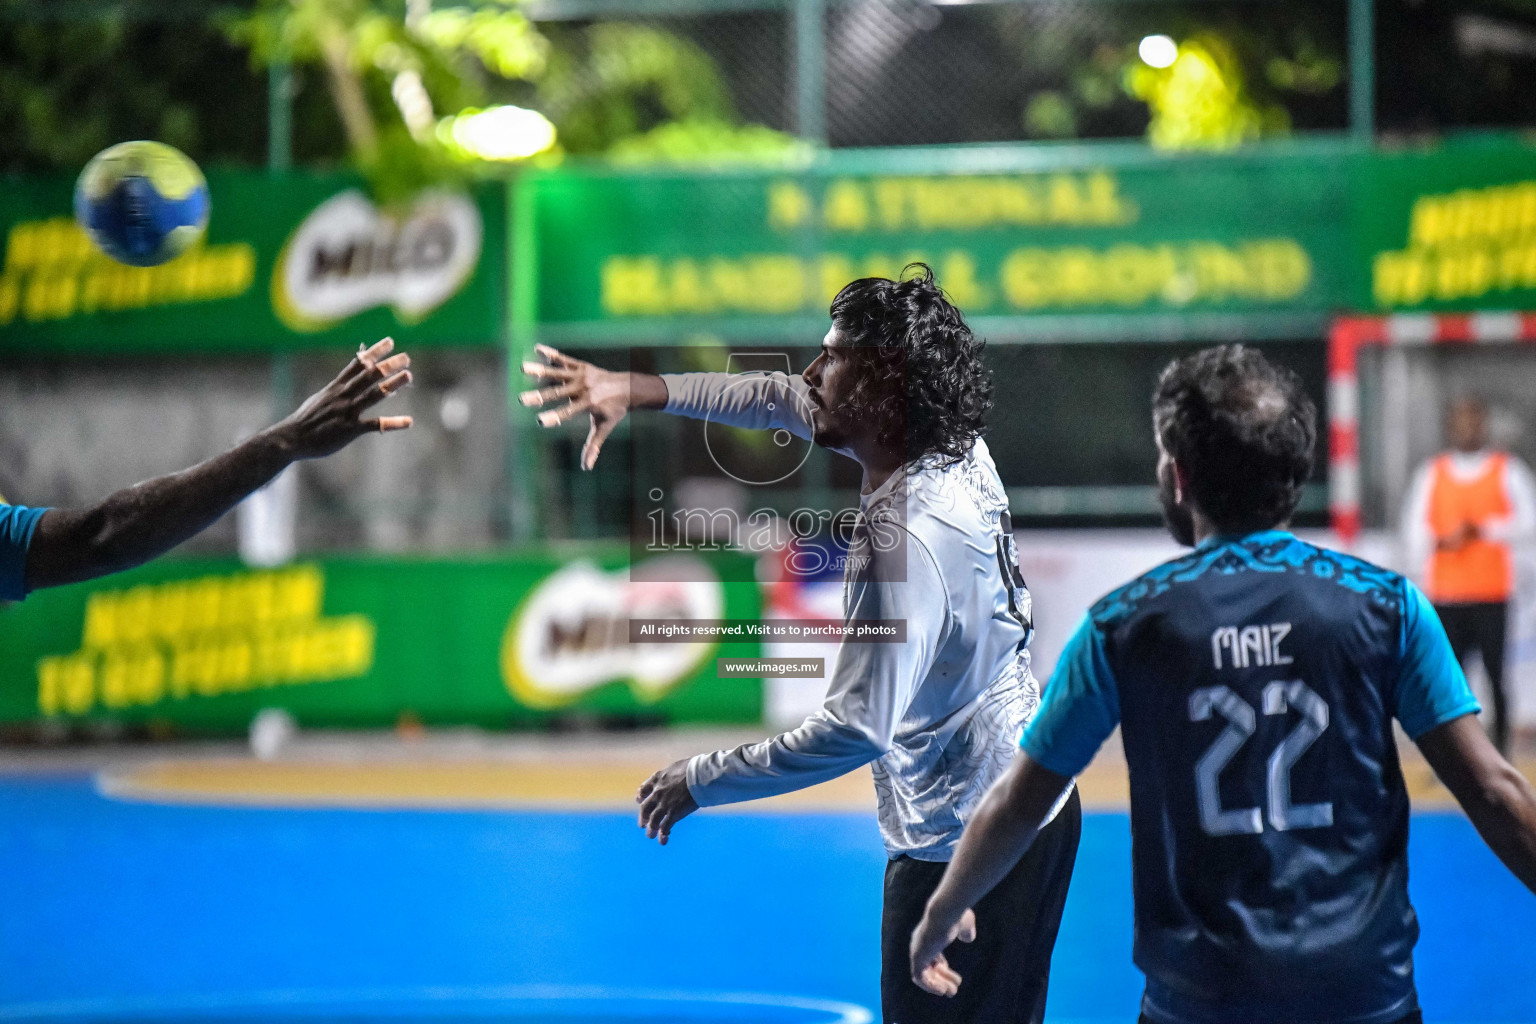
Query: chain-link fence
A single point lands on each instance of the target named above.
(913, 72)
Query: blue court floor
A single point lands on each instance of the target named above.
(114, 910)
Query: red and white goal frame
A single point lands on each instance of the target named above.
(1346, 338)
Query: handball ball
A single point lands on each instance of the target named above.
(142, 203)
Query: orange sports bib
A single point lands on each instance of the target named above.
(1482, 570)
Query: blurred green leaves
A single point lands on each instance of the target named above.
(634, 91)
(1201, 101)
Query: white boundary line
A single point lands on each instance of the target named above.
(299, 1004)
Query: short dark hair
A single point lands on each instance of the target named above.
(1243, 430)
(926, 385)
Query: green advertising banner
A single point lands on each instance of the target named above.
(1448, 229)
(1011, 234)
(202, 645)
(291, 262)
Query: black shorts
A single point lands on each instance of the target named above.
(1004, 972)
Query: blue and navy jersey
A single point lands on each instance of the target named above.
(1255, 681)
(16, 525)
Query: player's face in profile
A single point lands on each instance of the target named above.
(831, 378)
(1176, 514)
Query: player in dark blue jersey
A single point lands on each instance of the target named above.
(1255, 681)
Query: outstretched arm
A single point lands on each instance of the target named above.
(1006, 823)
(1498, 799)
(756, 401)
(140, 522)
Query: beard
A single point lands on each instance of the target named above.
(1176, 517)
(827, 431)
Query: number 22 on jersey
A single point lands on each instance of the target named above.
(1278, 698)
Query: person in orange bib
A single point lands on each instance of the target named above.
(1466, 510)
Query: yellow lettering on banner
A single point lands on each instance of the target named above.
(1282, 268)
(891, 202)
(1126, 275)
(688, 292)
(1462, 245)
(781, 282)
(1131, 275)
(729, 284)
(835, 271)
(1105, 203)
(49, 297)
(241, 261)
(1517, 268)
(66, 685)
(973, 202)
(19, 246)
(847, 208)
(788, 206)
(1023, 278)
(632, 286)
(52, 271)
(1065, 204)
(204, 637)
(1398, 279)
(132, 676)
(957, 274)
(10, 298)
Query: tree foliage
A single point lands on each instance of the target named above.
(645, 92)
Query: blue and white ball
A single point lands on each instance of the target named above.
(142, 203)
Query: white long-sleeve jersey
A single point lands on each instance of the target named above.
(939, 715)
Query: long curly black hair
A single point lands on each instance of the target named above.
(1244, 430)
(924, 384)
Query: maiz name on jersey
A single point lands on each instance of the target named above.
(1255, 681)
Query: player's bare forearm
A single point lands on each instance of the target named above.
(647, 391)
(138, 523)
(1506, 819)
(1500, 802)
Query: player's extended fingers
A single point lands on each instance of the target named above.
(646, 787)
(548, 371)
(545, 395)
(555, 417)
(664, 827)
(383, 389)
(377, 351)
(660, 813)
(650, 808)
(384, 424)
(394, 364)
(595, 438)
(557, 357)
(365, 360)
(376, 372)
(967, 931)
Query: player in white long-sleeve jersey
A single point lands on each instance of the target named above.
(900, 387)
